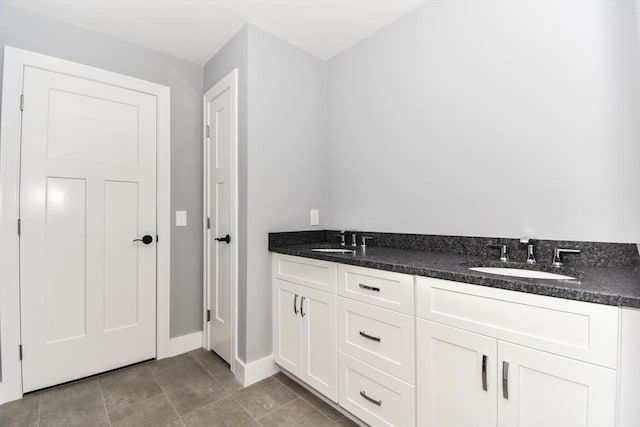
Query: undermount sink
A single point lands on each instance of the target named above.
(519, 272)
(333, 251)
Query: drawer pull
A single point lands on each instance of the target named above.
(505, 380)
(370, 337)
(295, 301)
(302, 306)
(369, 288)
(374, 401)
(484, 372)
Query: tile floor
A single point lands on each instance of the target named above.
(193, 389)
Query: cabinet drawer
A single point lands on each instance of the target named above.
(373, 396)
(382, 288)
(382, 338)
(580, 330)
(305, 271)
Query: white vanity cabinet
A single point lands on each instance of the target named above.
(401, 350)
(489, 369)
(304, 329)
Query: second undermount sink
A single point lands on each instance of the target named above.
(519, 272)
(333, 251)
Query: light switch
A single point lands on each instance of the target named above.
(315, 217)
(181, 218)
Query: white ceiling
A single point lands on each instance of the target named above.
(196, 29)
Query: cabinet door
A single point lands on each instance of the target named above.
(456, 377)
(319, 339)
(287, 326)
(541, 389)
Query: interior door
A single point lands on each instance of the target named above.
(88, 189)
(543, 389)
(456, 377)
(219, 241)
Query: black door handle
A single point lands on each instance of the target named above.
(225, 239)
(146, 239)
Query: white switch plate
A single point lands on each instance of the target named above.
(181, 218)
(315, 217)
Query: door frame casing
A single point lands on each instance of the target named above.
(229, 81)
(15, 61)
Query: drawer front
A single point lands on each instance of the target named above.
(575, 329)
(305, 271)
(382, 338)
(373, 396)
(381, 288)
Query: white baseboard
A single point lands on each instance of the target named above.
(184, 344)
(251, 373)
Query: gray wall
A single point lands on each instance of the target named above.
(235, 54)
(490, 119)
(286, 163)
(37, 33)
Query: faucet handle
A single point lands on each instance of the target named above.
(557, 255)
(504, 251)
(364, 240)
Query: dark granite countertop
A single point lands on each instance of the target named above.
(611, 285)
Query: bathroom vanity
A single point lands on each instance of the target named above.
(403, 337)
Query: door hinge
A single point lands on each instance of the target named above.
(208, 131)
(208, 222)
(20, 351)
(19, 226)
(21, 102)
(208, 315)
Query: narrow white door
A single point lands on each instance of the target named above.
(88, 184)
(541, 389)
(456, 377)
(318, 311)
(220, 211)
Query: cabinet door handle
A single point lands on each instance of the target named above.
(302, 306)
(374, 401)
(295, 303)
(369, 288)
(370, 337)
(484, 371)
(505, 379)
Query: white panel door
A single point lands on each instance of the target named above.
(456, 377)
(287, 326)
(88, 189)
(541, 389)
(318, 310)
(219, 242)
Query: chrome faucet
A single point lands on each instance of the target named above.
(504, 252)
(341, 235)
(364, 241)
(557, 255)
(531, 257)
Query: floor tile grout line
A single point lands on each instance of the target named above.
(309, 402)
(104, 402)
(39, 407)
(175, 411)
(215, 377)
(204, 367)
(314, 407)
(275, 409)
(207, 405)
(246, 410)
